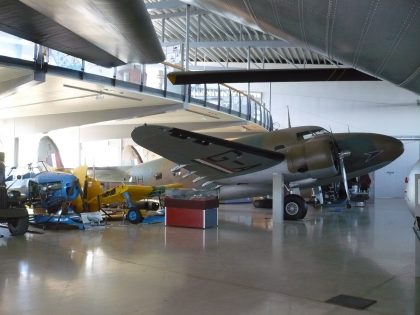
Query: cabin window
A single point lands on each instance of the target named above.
(308, 134)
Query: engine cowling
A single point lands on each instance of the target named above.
(314, 156)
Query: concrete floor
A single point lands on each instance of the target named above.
(244, 267)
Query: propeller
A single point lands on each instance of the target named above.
(341, 157)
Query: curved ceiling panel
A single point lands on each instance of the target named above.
(378, 37)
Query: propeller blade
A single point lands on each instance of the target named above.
(268, 75)
(341, 157)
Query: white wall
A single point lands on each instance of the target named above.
(359, 106)
(388, 181)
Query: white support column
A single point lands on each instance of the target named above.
(187, 38)
(278, 198)
(16, 151)
(79, 148)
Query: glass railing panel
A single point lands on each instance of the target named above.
(236, 103)
(173, 90)
(198, 93)
(57, 58)
(212, 99)
(15, 47)
(265, 118)
(129, 73)
(98, 70)
(253, 109)
(155, 76)
(244, 106)
(225, 101)
(258, 117)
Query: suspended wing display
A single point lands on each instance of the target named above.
(269, 75)
(107, 33)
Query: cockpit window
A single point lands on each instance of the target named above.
(30, 171)
(308, 134)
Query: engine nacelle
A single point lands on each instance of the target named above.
(314, 157)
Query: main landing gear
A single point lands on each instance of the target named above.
(295, 207)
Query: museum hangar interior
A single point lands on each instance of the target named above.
(186, 100)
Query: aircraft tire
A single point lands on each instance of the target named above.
(134, 216)
(295, 207)
(263, 203)
(18, 226)
(153, 205)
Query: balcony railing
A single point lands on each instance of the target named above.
(144, 78)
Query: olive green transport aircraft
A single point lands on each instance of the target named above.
(307, 156)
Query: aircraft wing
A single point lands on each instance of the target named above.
(136, 192)
(107, 32)
(268, 75)
(204, 155)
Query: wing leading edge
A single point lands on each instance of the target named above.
(108, 33)
(204, 155)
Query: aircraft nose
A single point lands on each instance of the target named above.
(368, 150)
(391, 147)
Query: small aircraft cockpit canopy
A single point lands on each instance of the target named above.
(27, 172)
(308, 134)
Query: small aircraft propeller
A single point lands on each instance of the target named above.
(341, 157)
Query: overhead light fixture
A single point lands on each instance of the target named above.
(208, 114)
(103, 92)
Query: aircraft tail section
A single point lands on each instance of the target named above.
(130, 156)
(48, 152)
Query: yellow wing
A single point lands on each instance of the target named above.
(136, 192)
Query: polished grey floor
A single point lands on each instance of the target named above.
(245, 266)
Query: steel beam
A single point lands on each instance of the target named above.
(236, 44)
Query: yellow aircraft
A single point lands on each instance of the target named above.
(94, 197)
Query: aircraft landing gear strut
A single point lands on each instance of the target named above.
(134, 215)
(341, 157)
